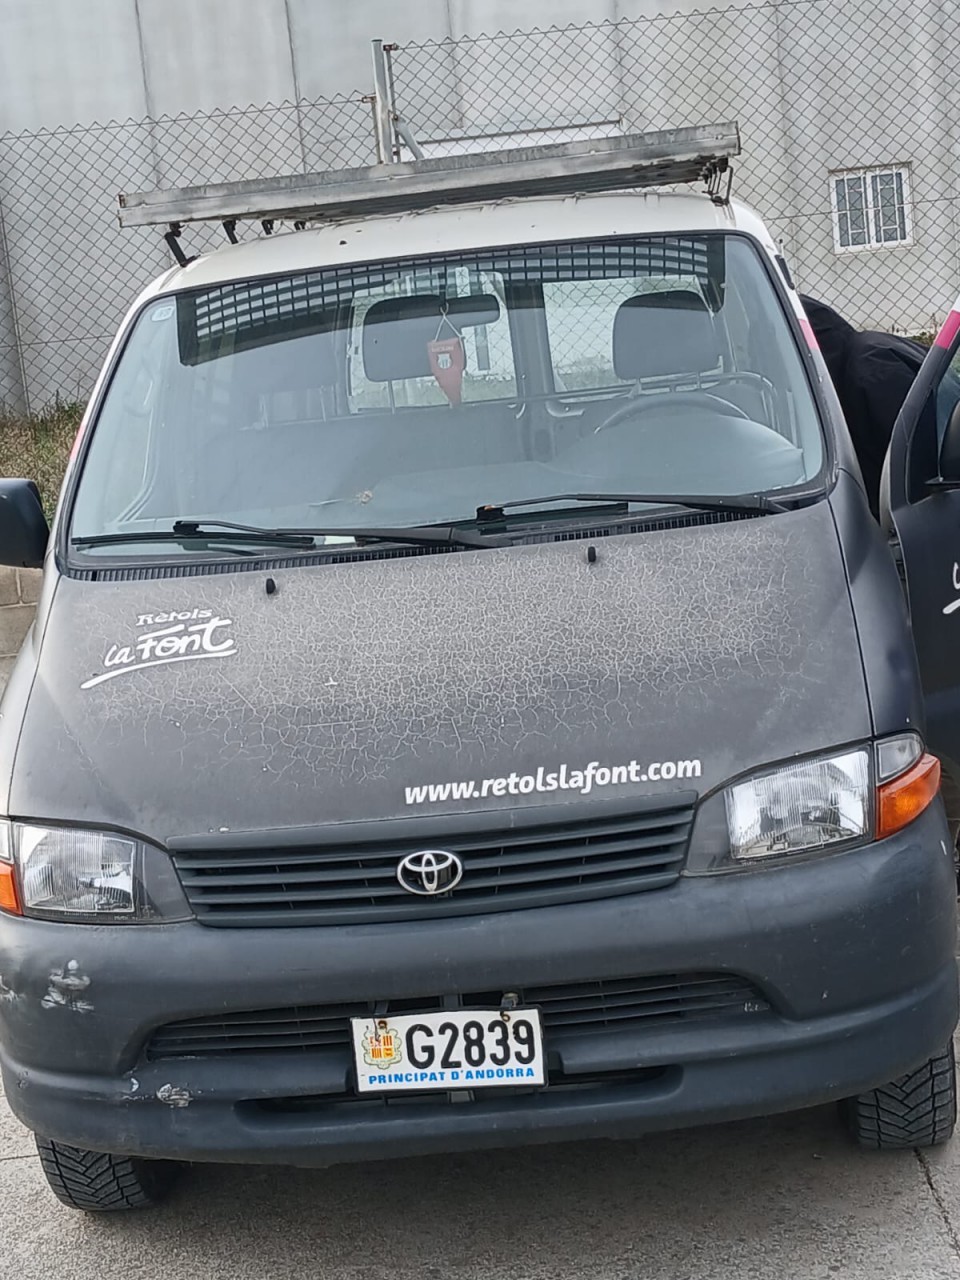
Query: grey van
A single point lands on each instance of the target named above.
(471, 704)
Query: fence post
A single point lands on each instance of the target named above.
(13, 383)
(382, 106)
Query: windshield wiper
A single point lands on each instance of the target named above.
(192, 533)
(696, 502)
(210, 531)
(429, 536)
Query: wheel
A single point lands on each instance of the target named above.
(918, 1110)
(101, 1183)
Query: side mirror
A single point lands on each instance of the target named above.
(24, 532)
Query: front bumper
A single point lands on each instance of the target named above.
(854, 952)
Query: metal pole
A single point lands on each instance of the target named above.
(406, 136)
(12, 366)
(382, 108)
(402, 131)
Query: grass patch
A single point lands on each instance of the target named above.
(37, 446)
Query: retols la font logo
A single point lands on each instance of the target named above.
(187, 635)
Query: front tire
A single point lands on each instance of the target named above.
(918, 1110)
(99, 1183)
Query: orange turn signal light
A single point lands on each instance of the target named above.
(9, 897)
(902, 799)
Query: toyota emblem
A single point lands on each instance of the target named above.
(430, 871)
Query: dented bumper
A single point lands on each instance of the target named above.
(854, 953)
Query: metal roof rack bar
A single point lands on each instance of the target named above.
(608, 164)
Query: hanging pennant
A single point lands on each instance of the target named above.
(448, 360)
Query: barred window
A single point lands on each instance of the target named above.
(871, 208)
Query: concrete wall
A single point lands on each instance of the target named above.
(816, 87)
(887, 93)
(64, 62)
(18, 597)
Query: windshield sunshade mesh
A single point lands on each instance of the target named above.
(252, 312)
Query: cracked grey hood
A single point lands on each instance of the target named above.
(185, 705)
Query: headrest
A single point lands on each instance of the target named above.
(396, 331)
(655, 334)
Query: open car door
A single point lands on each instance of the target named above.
(920, 509)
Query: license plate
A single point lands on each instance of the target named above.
(460, 1049)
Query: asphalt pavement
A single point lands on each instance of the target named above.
(784, 1199)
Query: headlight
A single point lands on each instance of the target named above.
(76, 872)
(67, 873)
(809, 805)
(824, 803)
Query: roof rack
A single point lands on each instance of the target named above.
(671, 156)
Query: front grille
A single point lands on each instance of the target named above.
(356, 883)
(611, 1003)
(573, 1008)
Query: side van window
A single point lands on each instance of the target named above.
(948, 395)
(924, 458)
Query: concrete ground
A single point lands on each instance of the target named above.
(786, 1199)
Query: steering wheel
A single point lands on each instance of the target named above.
(679, 399)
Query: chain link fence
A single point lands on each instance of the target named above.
(849, 112)
(68, 272)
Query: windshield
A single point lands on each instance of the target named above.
(413, 392)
